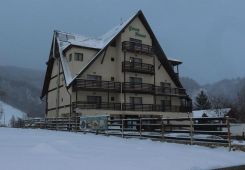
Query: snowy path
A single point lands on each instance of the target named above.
(26, 149)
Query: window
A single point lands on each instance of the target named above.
(78, 56)
(94, 99)
(94, 77)
(112, 78)
(112, 59)
(135, 60)
(135, 40)
(165, 87)
(70, 57)
(135, 80)
(112, 98)
(135, 100)
(114, 44)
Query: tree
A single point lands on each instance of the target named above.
(12, 121)
(1, 115)
(241, 104)
(202, 102)
(218, 103)
(1, 111)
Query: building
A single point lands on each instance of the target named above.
(212, 113)
(124, 72)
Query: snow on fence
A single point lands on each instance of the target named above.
(184, 130)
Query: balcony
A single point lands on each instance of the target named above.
(138, 87)
(95, 85)
(179, 92)
(137, 47)
(138, 107)
(137, 67)
(169, 91)
(129, 107)
(102, 105)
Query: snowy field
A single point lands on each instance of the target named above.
(26, 149)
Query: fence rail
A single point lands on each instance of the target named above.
(187, 130)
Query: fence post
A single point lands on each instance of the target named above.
(140, 127)
(229, 132)
(122, 128)
(162, 128)
(191, 130)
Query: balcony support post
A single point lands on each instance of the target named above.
(124, 77)
(154, 80)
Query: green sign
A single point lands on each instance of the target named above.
(133, 29)
(137, 32)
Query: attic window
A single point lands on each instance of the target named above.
(113, 43)
(78, 56)
(70, 57)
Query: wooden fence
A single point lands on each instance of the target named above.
(182, 130)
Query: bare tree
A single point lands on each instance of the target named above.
(12, 121)
(241, 104)
(218, 103)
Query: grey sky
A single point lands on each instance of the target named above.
(207, 35)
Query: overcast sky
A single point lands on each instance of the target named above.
(207, 35)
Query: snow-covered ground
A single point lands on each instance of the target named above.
(8, 112)
(26, 149)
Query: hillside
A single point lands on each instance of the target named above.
(8, 112)
(21, 88)
(228, 88)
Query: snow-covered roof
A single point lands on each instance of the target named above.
(211, 112)
(65, 39)
(100, 42)
(174, 61)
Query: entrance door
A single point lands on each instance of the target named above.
(165, 105)
(95, 81)
(136, 103)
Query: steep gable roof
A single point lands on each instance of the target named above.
(157, 48)
(65, 40)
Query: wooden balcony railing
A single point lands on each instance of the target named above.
(170, 91)
(178, 91)
(137, 67)
(138, 87)
(139, 107)
(127, 87)
(102, 105)
(82, 84)
(129, 107)
(137, 47)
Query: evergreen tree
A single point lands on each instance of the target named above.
(202, 102)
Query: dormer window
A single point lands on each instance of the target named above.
(78, 56)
